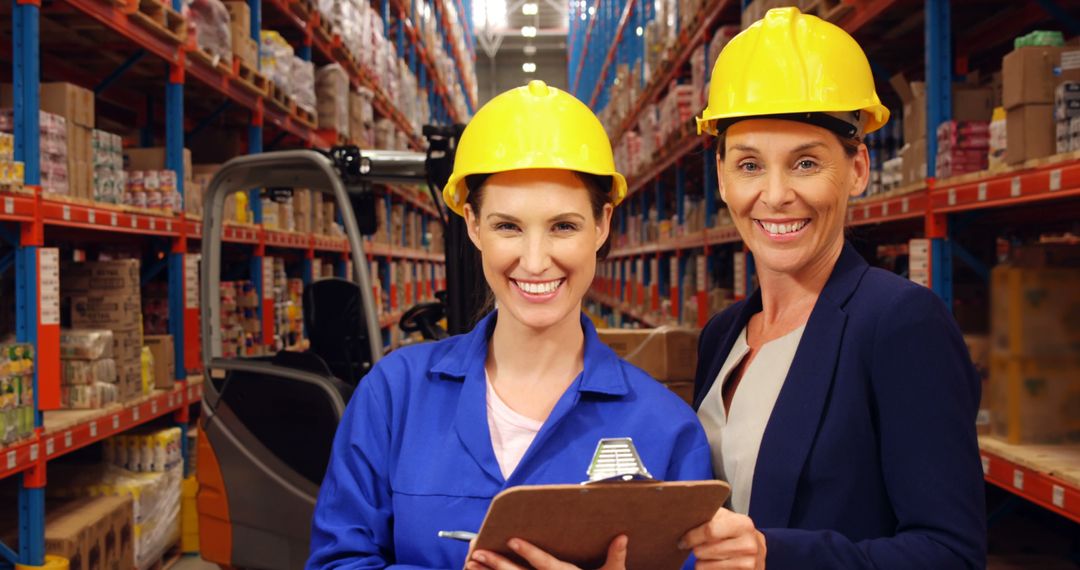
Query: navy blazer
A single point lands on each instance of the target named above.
(870, 457)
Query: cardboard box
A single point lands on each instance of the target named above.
(92, 533)
(979, 348)
(914, 166)
(93, 310)
(153, 159)
(239, 20)
(164, 360)
(972, 103)
(1030, 132)
(115, 277)
(1028, 76)
(246, 50)
(1034, 400)
(1033, 311)
(668, 354)
(73, 103)
(969, 103)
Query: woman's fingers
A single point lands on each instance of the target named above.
(487, 560)
(616, 554)
(724, 524)
(537, 558)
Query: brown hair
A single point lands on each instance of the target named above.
(599, 188)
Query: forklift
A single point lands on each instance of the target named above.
(268, 422)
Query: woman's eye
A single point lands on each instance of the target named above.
(806, 164)
(565, 227)
(505, 227)
(749, 166)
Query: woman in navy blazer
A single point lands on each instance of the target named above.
(851, 442)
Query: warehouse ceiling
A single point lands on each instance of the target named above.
(503, 50)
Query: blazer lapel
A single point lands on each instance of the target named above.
(800, 406)
(720, 354)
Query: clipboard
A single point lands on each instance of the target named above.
(576, 523)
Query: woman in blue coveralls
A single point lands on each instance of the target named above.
(839, 399)
(436, 430)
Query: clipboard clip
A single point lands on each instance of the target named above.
(616, 460)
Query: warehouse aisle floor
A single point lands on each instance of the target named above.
(194, 563)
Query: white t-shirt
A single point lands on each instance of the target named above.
(735, 437)
(511, 432)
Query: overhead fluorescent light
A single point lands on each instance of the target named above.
(488, 14)
(530, 9)
(528, 67)
(640, 31)
(529, 50)
(528, 31)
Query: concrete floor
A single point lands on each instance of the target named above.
(194, 563)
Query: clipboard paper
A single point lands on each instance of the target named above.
(576, 523)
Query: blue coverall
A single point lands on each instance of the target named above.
(413, 453)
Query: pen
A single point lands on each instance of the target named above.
(462, 535)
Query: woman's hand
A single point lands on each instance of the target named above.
(728, 542)
(540, 560)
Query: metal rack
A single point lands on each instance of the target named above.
(167, 53)
(598, 38)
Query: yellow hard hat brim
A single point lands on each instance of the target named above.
(455, 193)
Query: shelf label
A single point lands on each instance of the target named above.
(93, 431)
(982, 191)
(952, 196)
(67, 436)
(134, 222)
(866, 212)
(153, 408)
(1055, 180)
(168, 225)
(172, 401)
(11, 460)
(985, 465)
(135, 414)
(116, 421)
(50, 446)
(1015, 193)
(1018, 479)
(91, 217)
(112, 219)
(153, 224)
(884, 208)
(65, 213)
(191, 281)
(9, 205)
(1058, 496)
(49, 282)
(190, 394)
(34, 452)
(904, 205)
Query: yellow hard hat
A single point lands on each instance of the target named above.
(795, 66)
(535, 126)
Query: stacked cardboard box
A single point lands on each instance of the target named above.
(88, 377)
(12, 172)
(149, 176)
(1031, 75)
(146, 450)
(76, 106)
(53, 143)
(163, 349)
(1067, 116)
(89, 533)
(332, 93)
(241, 327)
(999, 140)
(244, 47)
(963, 147)
(105, 295)
(668, 354)
(362, 118)
(1034, 364)
(676, 108)
(16, 392)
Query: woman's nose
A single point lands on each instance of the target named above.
(536, 254)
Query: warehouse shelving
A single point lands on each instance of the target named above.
(112, 48)
(936, 209)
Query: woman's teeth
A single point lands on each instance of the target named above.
(780, 229)
(539, 288)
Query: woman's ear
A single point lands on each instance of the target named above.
(472, 225)
(861, 164)
(603, 225)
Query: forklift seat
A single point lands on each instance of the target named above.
(334, 320)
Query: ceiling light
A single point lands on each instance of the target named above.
(528, 31)
(530, 9)
(530, 50)
(640, 31)
(528, 67)
(584, 16)
(489, 14)
(592, 10)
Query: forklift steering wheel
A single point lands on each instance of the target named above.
(423, 318)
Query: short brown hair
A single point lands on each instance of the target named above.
(599, 188)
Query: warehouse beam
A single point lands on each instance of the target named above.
(938, 74)
(1061, 16)
(119, 71)
(207, 121)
